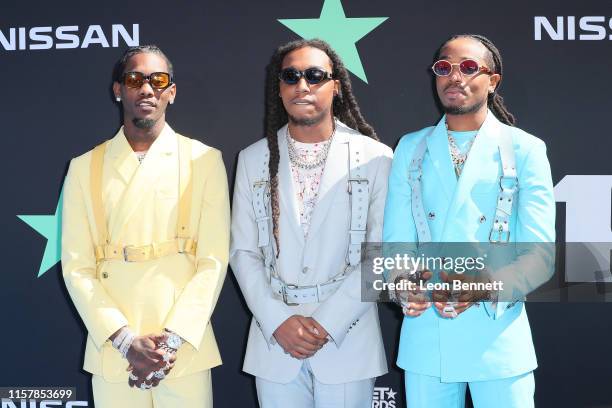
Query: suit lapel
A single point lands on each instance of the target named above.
(122, 157)
(437, 147)
(287, 197)
(334, 178)
(163, 153)
(484, 148)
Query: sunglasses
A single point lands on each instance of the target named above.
(157, 80)
(467, 67)
(313, 76)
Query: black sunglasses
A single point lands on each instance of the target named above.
(313, 75)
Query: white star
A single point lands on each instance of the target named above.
(391, 394)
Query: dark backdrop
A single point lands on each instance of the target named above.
(56, 104)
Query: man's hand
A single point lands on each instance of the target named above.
(152, 381)
(149, 378)
(462, 299)
(315, 327)
(144, 357)
(414, 302)
(298, 337)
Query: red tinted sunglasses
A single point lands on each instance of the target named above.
(467, 67)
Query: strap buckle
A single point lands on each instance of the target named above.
(419, 174)
(126, 255)
(513, 180)
(358, 180)
(500, 233)
(260, 183)
(284, 293)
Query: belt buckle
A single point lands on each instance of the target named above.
(358, 180)
(512, 180)
(500, 234)
(284, 293)
(125, 254)
(260, 183)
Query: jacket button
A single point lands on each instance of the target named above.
(305, 270)
(104, 275)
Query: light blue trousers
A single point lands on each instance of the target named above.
(423, 391)
(305, 391)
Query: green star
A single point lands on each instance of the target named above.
(50, 227)
(339, 31)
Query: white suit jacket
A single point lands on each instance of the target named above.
(355, 350)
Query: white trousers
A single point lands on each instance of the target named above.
(423, 391)
(305, 391)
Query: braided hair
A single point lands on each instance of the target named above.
(494, 60)
(344, 107)
(121, 63)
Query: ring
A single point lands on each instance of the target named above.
(144, 386)
(150, 376)
(159, 374)
(166, 356)
(133, 377)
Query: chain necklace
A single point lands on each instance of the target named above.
(457, 157)
(298, 161)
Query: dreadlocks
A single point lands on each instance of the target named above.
(494, 60)
(344, 107)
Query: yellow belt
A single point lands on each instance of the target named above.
(132, 253)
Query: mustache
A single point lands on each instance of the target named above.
(455, 86)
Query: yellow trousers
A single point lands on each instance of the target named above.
(192, 391)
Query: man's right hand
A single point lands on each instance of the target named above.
(144, 357)
(295, 337)
(414, 302)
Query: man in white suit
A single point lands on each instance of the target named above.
(475, 178)
(305, 199)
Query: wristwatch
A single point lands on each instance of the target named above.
(174, 341)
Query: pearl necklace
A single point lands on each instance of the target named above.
(299, 161)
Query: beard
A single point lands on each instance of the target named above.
(144, 123)
(315, 120)
(463, 110)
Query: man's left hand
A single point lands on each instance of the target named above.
(462, 299)
(149, 379)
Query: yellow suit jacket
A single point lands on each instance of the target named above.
(177, 291)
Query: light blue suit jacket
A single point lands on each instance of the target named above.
(487, 341)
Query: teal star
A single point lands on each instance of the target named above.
(339, 31)
(50, 227)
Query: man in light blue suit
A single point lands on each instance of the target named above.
(474, 177)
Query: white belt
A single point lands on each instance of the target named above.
(294, 295)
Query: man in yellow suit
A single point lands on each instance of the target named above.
(145, 239)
